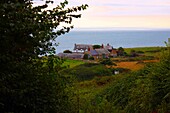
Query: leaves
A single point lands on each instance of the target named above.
(28, 84)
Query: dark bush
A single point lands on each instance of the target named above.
(33, 88)
(107, 62)
(96, 46)
(86, 56)
(88, 71)
(67, 51)
(140, 52)
(91, 58)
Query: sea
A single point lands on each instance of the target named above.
(116, 38)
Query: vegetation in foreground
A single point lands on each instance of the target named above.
(143, 91)
(28, 85)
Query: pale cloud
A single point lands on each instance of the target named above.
(125, 21)
(122, 13)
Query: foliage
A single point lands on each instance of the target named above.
(72, 63)
(67, 51)
(133, 53)
(107, 62)
(91, 58)
(143, 91)
(34, 88)
(86, 56)
(88, 71)
(28, 85)
(96, 46)
(121, 51)
(120, 70)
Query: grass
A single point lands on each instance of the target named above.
(72, 63)
(148, 51)
(86, 91)
(87, 71)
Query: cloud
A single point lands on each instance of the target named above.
(122, 13)
(125, 21)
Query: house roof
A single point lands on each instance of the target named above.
(108, 47)
(75, 55)
(102, 51)
(63, 54)
(114, 51)
(82, 46)
(71, 55)
(93, 53)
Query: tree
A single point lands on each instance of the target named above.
(26, 32)
(107, 62)
(133, 53)
(120, 51)
(96, 46)
(86, 56)
(67, 51)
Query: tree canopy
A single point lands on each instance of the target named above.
(29, 83)
(30, 30)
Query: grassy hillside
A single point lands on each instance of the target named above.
(148, 51)
(72, 63)
(143, 91)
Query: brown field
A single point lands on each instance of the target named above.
(135, 65)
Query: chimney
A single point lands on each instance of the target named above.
(102, 46)
(88, 48)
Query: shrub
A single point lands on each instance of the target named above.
(146, 90)
(67, 51)
(107, 62)
(91, 58)
(88, 71)
(31, 88)
(86, 56)
(96, 46)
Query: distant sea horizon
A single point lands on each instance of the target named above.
(126, 38)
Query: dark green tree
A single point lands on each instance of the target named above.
(67, 51)
(120, 51)
(133, 53)
(96, 46)
(27, 84)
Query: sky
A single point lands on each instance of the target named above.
(121, 13)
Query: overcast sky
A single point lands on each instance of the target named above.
(122, 13)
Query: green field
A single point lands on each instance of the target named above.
(148, 51)
(72, 63)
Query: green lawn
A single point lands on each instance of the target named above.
(72, 63)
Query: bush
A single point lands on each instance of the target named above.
(67, 51)
(96, 46)
(33, 88)
(107, 62)
(91, 58)
(146, 90)
(86, 56)
(88, 71)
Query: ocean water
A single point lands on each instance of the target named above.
(116, 38)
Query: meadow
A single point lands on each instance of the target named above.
(148, 51)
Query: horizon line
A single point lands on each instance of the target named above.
(116, 28)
